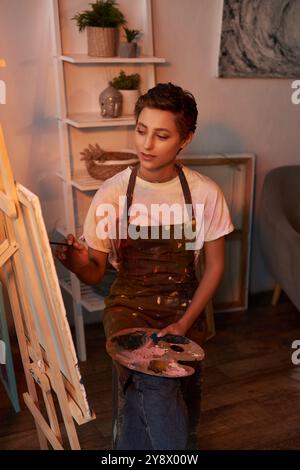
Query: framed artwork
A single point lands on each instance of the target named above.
(234, 173)
(7, 373)
(260, 38)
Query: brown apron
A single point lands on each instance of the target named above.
(157, 279)
(154, 286)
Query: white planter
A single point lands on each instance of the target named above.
(130, 97)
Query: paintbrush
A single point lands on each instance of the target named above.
(58, 243)
(80, 239)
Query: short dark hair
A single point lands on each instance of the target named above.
(169, 97)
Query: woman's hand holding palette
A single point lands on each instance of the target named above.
(142, 350)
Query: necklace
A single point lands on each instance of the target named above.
(162, 181)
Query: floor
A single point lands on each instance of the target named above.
(251, 395)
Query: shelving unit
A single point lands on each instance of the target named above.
(79, 81)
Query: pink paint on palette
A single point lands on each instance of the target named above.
(140, 349)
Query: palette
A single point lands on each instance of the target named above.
(140, 349)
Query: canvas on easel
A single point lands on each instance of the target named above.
(44, 336)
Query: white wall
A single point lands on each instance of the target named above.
(235, 115)
(28, 117)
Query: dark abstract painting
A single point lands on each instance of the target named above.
(260, 38)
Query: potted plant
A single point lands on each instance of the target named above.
(101, 23)
(129, 48)
(128, 85)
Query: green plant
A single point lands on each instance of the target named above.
(131, 34)
(126, 82)
(104, 14)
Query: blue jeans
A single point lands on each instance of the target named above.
(153, 412)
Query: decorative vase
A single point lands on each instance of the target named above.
(128, 49)
(102, 42)
(110, 101)
(130, 98)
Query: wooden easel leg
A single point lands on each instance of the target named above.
(71, 429)
(15, 308)
(41, 437)
(52, 415)
(276, 294)
(39, 418)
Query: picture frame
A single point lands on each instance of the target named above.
(234, 173)
(260, 39)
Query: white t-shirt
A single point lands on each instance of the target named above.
(210, 209)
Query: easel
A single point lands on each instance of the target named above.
(46, 347)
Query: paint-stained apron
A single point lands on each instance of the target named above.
(156, 282)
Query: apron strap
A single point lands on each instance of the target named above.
(185, 188)
(183, 181)
(130, 189)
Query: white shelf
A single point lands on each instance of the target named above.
(89, 298)
(83, 182)
(87, 120)
(86, 183)
(85, 59)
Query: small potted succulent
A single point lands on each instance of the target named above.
(101, 23)
(129, 48)
(128, 85)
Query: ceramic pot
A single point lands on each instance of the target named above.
(110, 101)
(128, 49)
(130, 98)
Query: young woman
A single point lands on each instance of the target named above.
(156, 284)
